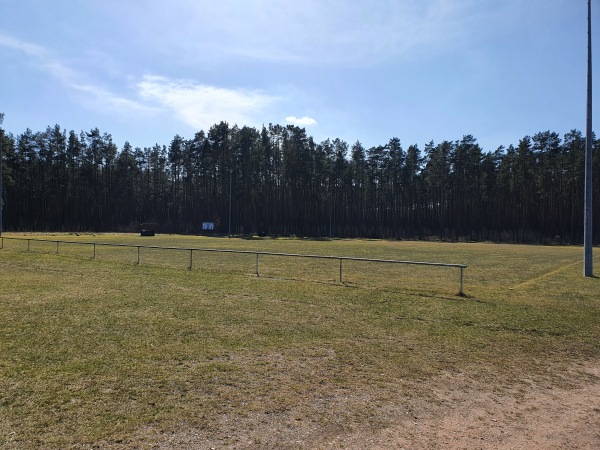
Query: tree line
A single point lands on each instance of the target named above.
(278, 181)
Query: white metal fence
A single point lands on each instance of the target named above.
(187, 255)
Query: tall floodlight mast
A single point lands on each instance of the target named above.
(1, 185)
(587, 221)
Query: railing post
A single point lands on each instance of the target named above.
(94, 257)
(340, 270)
(2, 242)
(138, 255)
(257, 266)
(460, 292)
(28, 244)
(190, 267)
(57, 247)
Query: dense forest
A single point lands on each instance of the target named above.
(279, 181)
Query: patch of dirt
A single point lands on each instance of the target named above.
(532, 415)
(457, 412)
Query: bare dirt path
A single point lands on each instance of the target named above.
(533, 415)
(558, 412)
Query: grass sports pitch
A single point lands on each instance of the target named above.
(104, 352)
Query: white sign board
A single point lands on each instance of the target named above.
(208, 226)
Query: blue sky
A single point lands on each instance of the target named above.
(419, 70)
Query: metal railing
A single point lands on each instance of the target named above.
(191, 251)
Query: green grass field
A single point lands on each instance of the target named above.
(104, 352)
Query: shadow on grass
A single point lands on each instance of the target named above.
(276, 237)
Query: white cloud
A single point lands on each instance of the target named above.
(104, 99)
(202, 106)
(94, 96)
(301, 121)
(25, 47)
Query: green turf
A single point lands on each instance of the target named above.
(102, 350)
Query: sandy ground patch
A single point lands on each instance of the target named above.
(531, 415)
(558, 413)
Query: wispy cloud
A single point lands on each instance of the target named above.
(197, 105)
(25, 47)
(301, 121)
(326, 32)
(107, 100)
(94, 95)
(201, 106)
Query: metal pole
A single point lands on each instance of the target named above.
(330, 211)
(94, 257)
(460, 289)
(230, 178)
(191, 251)
(257, 266)
(340, 270)
(138, 255)
(588, 270)
(1, 185)
(229, 232)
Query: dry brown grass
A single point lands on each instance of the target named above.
(111, 354)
